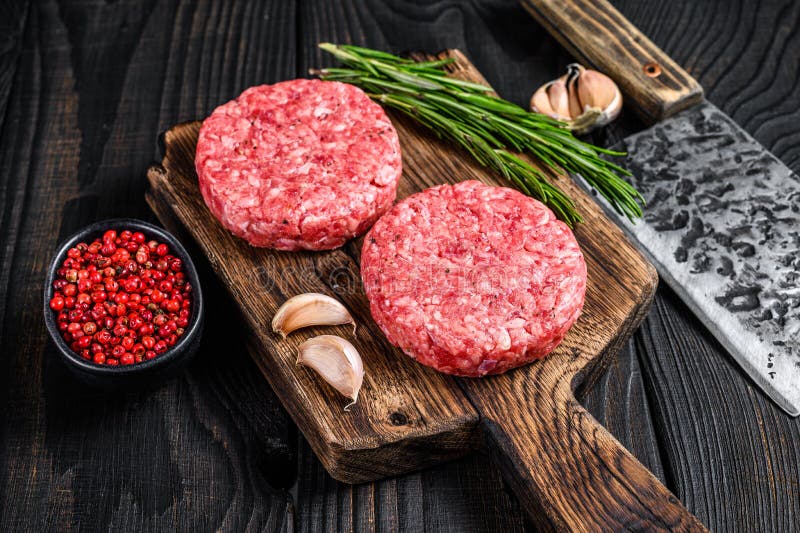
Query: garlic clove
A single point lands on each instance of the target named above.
(598, 91)
(559, 100)
(540, 102)
(336, 361)
(310, 309)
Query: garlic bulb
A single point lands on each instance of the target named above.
(585, 99)
(310, 309)
(337, 361)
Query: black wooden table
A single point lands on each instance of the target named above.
(85, 87)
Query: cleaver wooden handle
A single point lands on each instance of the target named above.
(568, 471)
(601, 37)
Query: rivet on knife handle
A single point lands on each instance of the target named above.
(601, 37)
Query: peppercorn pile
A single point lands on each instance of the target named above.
(121, 300)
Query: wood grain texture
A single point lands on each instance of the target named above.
(462, 495)
(12, 22)
(76, 137)
(725, 450)
(599, 36)
(618, 401)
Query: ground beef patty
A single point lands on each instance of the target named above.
(302, 164)
(472, 279)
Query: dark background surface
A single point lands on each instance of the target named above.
(85, 87)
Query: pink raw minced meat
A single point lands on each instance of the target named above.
(473, 280)
(301, 164)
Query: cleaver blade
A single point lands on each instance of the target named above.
(722, 222)
(722, 226)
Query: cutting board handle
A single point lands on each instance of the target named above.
(570, 472)
(601, 37)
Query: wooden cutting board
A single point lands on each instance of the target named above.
(567, 470)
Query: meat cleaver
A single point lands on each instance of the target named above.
(722, 221)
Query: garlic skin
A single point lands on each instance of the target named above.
(585, 99)
(336, 361)
(310, 309)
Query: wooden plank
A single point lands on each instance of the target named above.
(748, 462)
(532, 421)
(13, 16)
(462, 495)
(468, 494)
(191, 453)
(618, 401)
(516, 58)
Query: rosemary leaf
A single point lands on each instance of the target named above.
(487, 127)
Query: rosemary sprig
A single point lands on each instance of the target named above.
(489, 128)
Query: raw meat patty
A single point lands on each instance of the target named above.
(473, 280)
(302, 164)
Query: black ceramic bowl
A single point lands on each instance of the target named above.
(145, 373)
